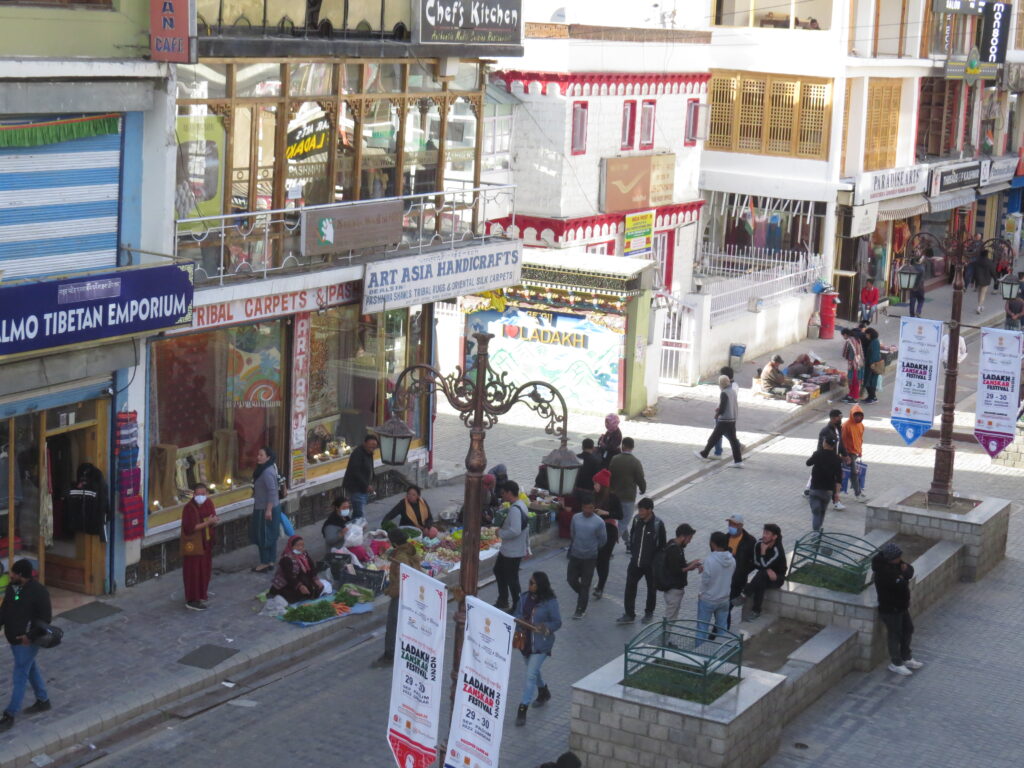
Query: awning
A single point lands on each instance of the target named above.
(956, 199)
(1017, 182)
(902, 207)
(991, 189)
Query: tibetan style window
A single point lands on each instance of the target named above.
(628, 125)
(647, 125)
(883, 123)
(579, 127)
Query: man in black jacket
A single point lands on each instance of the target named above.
(741, 544)
(26, 602)
(769, 566)
(834, 427)
(892, 585)
(646, 537)
(591, 465)
(826, 476)
(672, 578)
(358, 480)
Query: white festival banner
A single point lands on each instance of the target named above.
(482, 693)
(917, 375)
(417, 682)
(995, 415)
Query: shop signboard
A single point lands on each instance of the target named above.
(961, 7)
(638, 240)
(995, 30)
(971, 69)
(467, 22)
(954, 177)
(275, 305)
(895, 182)
(638, 182)
(440, 275)
(417, 682)
(172, 30)
(77, 310)
(917, 374)
(995, 415)
(309, 139)
(349, 227)
(998, 169)
(863, 219)
(481, 693)
(300, 396)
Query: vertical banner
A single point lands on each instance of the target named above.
(917, 375)
(416, 683)
(995, 414)
(300, 396)
(480, 699)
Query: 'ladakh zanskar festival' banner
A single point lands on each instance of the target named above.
(995, 417)
(481, 696)
(917, 374)
(416, 684)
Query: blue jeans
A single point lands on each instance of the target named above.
(916, 303)
(533, 678)
(25, 671)
(358, 502)
(628, 507)
(705, 611)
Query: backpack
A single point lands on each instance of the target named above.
(662, 579)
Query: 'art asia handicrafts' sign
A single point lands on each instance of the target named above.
(917, 374)
(995, 417)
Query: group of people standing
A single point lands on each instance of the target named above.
(862, 352)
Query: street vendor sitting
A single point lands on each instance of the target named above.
(411, 510)
(773, 380)
(334, 526)
(295, 579)
(802, 366)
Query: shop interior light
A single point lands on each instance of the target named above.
(395, 437)
(562, 466)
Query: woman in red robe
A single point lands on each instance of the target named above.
(295, 580)
(197, 527)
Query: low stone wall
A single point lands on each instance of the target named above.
(816, 666)
(982, 530)
(1013, 454)
(614, 726)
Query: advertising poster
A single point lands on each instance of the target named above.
(995, 416)
(917, 375)
(482, 692)
(639, 237)
(416, 683)
(578, 354)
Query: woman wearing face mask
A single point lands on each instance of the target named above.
(294, 579)
(334, 526)
(198, 519)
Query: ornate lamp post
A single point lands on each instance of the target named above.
(480, 396)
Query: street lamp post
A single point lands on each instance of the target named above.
(480, 396)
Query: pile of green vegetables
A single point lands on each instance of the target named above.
(310, 612)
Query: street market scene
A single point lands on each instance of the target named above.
(516, 383)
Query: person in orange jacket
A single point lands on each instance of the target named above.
(853, 443)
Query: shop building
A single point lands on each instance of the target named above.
(328, 193)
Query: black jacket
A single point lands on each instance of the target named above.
(892, 584)
(673, 576)
(744, 556)
(836, 432)
(774, 559)
(591, 466)
(984, 271)
(359, 473)
(645, 539)
(826, 470)
(22, 607)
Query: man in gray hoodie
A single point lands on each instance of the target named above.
(515, 544)
(725, 424)
(715, 581)
(588, 534)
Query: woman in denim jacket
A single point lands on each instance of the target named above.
(537, 612)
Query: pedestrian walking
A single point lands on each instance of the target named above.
(716, 574)
(769, 568)
(402, 551)
(590, 465)
(917, 287)
(984, 276)
(265, 523)
(587, 536)
(609, 509)
(826, 476)
(853, 444)
(198, 519)
(671, 576)
(609, 444)
(853, 354)
(515, 544)
(647, 536)
(892, 585)
(873, 365)
(627, 476)
(358, 480)
(833, 428)
(726, 414)
(26, 605)
(725, 370)
(537, 614)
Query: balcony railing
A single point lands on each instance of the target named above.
(262, 244)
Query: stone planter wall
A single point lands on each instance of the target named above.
(816, 666)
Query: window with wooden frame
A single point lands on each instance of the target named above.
(579, 127)
(1018, 35)
(647, 125)
(697, 120)
(883, 122)
(628, 125)
(767, 114)
(936, 116)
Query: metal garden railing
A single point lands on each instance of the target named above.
(837, 561)
(753, 290)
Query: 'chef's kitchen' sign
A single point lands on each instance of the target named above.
(461, 22)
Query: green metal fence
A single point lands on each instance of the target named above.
(838, 561)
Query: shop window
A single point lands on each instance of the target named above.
(422, 137)
(423, 78)
(498, 132)
(628, 133)
(306, 154)
(384, 77)
(697, 120)
(199, 183)
(380, 149)
(774, 14)
(647, 125)
(460, 149)
(215, 399)
(579, 127)
(311, 79)
(883, 123)
(948, 33)
(467, 78)
(258, 80)
(202, 81)
(936, 116)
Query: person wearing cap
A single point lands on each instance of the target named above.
(769, 569)
(609, 509)
(742, 544)
(892, 585)
(773, 380)
(672, 579)
(26, 604)
(826, 477)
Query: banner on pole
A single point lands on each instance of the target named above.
(480, 699)
(995, 414)
(416, 682)
(917, 375)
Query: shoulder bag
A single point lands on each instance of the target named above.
(192, 544)
(46, 635)
(878, 366)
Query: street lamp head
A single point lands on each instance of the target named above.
(562, 466)
(1009, 288)
(907, 276)
(395, 439)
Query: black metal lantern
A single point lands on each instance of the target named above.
(562, 466)
(1009, 288)
(395, 438)
(907, 276)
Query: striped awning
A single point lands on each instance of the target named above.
(902, 207)
(956, 199)
(991, 189)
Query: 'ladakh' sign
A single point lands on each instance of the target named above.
(458, 22)
(546, 336)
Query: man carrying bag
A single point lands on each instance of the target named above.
(25, 609)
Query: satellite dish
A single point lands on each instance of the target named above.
(558, 17)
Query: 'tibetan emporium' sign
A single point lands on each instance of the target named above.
(458, 22)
